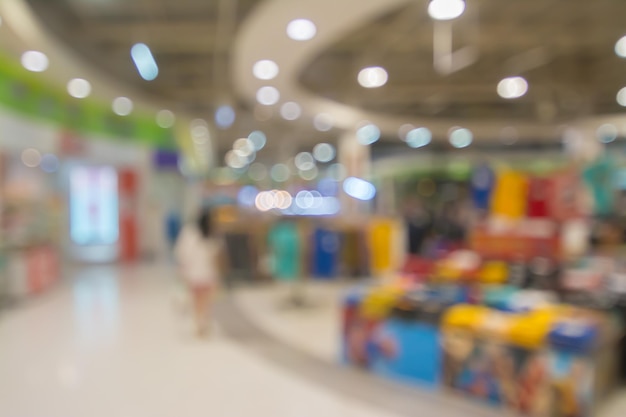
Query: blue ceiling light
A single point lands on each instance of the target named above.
(144, 61)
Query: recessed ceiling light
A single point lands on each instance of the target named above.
(49, 163)
(258, 139)
(419, 137)
(122, 106)
(304, 161)
(224, 117)
(301, 30)
(621, 97)
(373, 77)
(31, 157)
(144, 61)
(446, 9)
(359, 188)
(461, 137)
(244, 147)
(35, 61)
(324, 152)
(323, 122)
(290, 110)
(265, 69)
(368, 134)
(512, 87)
(79, 88)
(268, 95)
(620, 47)
(165, 119)
(607, 133)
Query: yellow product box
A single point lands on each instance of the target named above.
(531, 330)
(465, 316)
(493, 273)
(380, 301)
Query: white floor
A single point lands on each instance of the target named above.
(314, 329)
(112, 344)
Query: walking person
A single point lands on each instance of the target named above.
(200, 256)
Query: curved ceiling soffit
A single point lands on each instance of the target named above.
(262, 36)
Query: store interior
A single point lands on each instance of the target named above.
(413, 205)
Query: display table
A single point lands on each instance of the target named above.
(533, 356)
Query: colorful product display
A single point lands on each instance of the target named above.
(473, 333)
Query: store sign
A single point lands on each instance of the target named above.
(94, 214)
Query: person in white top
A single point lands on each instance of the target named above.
(200, 257)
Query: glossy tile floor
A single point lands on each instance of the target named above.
(114, 342)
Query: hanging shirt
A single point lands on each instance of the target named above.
(599, 177)
(482, 184)
(510, 195)
(284, 242)
(538, 191)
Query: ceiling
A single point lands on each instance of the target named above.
(564, 48)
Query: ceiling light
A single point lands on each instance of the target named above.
(461, 137)
(144, 61)
(122, 106)
(35, 61)
(607, 133)
(301, 30)
(258, 139)
(165, 119)
(224, 117)
(290, 111)
(620, 47)
(323, 122)
(304, 161)
(283, 200)
(324, 152)
(49, 163)
(446, 9)
(79, 88)
(309, 174)
(264, 201)
(265, 69)
(31, 157)
(373, 77)
(359, 189)
(234, 160)
(621, 97)
(419, 137)
(243, 147)
(268, 96)
(280, 173)
(304, 199)
(368, 134)
(512, 87)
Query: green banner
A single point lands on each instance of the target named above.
(28, 94)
